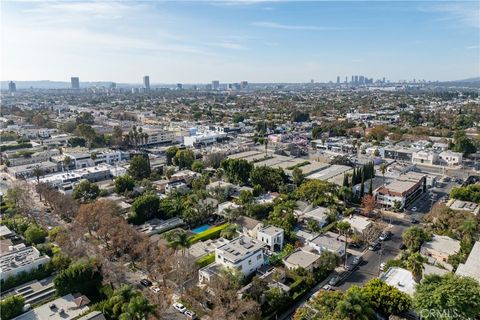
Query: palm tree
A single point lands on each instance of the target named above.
(355, 305)
(138, 308)
(120, 297)
(178, 240)
(415, 265)
(345, 229)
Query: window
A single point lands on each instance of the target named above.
(249, 262)
(259, 257)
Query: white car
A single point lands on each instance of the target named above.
(414, 209)
(180, 307)
(190, 314)
(382, 266)
(155, 289)
(327, 287)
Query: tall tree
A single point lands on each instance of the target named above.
(139, 167)
(345, 229)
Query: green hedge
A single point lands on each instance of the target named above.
(301, 164)
(206, 260)
(208, 234)
(21, 145)
(24, 277)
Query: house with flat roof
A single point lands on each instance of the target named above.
(21, 260)
(359, 224)
(471, 267)
(439, 248)
(318, 214)
(450, 158)
(302, 259)
(202, 248)
(401, 279)
(461, 205)
(272, 236)
(243, 253)
(328, 241)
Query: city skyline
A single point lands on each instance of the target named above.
(257, 41)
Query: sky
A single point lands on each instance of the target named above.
(231, 41)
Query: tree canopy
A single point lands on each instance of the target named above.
(447, 297)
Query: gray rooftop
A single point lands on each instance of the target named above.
(240, 247)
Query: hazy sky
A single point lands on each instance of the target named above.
(258, 41)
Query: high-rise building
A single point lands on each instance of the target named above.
(361, 80)
(12, 87)
(353, 79)
(179, 86)
(338, 79)
(113, 85)
(75, 83)
(356, 80)
(146, 83)
(346, 79)
(383, 80)
(215, 84)
(243, 84)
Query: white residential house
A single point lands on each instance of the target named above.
(401, 279)
(359, 224)
(450, 158)
(425, 157)
(272, 236)
(302, 259)
(319, 214)
(22, 260)
(328, 242)
(242, 253)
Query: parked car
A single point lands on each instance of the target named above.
(414, 221)
(414, 209)
(155, 289)
(385, 236)
(179, 307)
(402, 246)
(190, 314)
(354, 264)
(354, 245)
(374, 246)
(146, 282)
(327, 287)
(334, 280)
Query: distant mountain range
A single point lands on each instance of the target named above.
(475, 79)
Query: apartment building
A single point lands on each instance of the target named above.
(405, 189)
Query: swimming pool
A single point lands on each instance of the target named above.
(201, 228)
